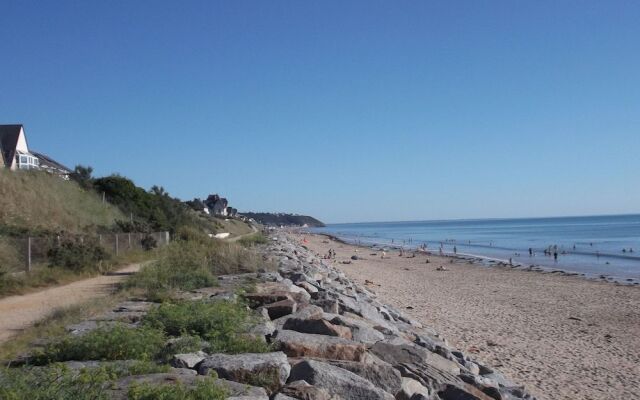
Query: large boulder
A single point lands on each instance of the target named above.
(337, 381)
(296, 344)
(317, 326)
(281, 308)
(268, 370)
(361, 329)
(413, 355)
(379, 373)
(411, 387)
(302, 390)
(188, 360)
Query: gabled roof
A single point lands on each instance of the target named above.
(9, 135)
(48, 162)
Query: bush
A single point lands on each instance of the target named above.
(107, 343)
(53, 383)
(58, 382)
(148, 243)
(77, 256)
(222, 324)
(206, 389)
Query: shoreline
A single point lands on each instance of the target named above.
(487, 261)
(584, 333)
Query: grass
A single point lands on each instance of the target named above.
(34, 201)
(253, 240)
(105, 344)
(191, 264)
(221, 324)
(206, 389)
(57, 381)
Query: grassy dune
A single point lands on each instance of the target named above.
(32, 201)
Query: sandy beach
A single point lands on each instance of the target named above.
(563, 337)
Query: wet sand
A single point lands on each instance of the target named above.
(563, 337)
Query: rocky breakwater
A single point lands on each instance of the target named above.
(343, 343)
(326, 338)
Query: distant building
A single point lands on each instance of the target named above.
(217, 205)
(16, 154)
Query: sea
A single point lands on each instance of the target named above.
(601, 247)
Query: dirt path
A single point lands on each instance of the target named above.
(235, 239)
(20, 312)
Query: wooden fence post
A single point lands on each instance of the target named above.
(29, 254)
(116, 245)
(129, 240)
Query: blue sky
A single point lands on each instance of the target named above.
(345, 110)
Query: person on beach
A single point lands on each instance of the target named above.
(384, 254)
(530, 252)
(455, 250)
(555, 256)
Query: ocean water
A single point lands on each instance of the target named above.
(586, 245)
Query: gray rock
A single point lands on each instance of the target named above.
(281, 308)
(411, 354)
(269, 370)
(337, 381)
(188, 360)
(296, 344)
(411, 387)
(361, 330)
(317, 326)
(302, 390)
(281, 396)
(381, 374)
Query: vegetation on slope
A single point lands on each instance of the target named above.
(277, 219)
(33, 202)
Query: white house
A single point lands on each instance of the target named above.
(15, 153)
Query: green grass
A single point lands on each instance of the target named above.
(222, 324)
(106, 344)
(191, 264)
(253, 240)
(206, 389)
(58, 382)
(34, 201)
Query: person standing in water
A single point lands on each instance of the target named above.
(455, 250)
(530, 252)
(555, 255)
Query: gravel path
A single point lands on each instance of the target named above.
(20, 312)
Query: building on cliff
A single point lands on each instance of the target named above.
(15, 153)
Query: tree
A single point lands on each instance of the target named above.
(82, 175)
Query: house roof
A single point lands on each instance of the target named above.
(9, 135)
(48, 162)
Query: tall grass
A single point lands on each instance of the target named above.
(34, 201)
(193, 262)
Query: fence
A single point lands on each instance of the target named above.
(25, 253)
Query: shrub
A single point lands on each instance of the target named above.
(56, 382)
(107, 343)
(222, 324)
(77, 256)
(206, 389)
(148, 243)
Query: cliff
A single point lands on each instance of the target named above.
(279, 219)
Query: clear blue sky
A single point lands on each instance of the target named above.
(345, 110)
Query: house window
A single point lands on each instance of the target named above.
(27, 161)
